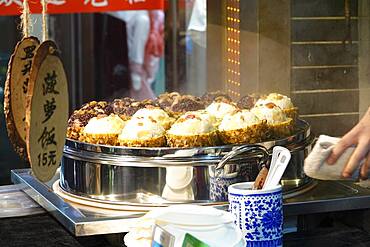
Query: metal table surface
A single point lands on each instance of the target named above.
(330, 196)
(326, 196)
(78, 221)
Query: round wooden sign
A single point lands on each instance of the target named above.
(47, 111)
(15, 92)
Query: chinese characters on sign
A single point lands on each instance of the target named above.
(49, 108)
(56, 2)
(14, 7)
(136, 1)
(97, 3)
(47, 138)
(47, 111)
(47, 159)
(101, 3)
(19, 2)
(26, 68)
(50, 82)
(10, 2)
(16, 92)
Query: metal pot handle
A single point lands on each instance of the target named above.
(242, 149)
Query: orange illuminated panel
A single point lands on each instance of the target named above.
(232, 47)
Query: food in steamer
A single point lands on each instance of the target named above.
(142, 132)
(186, 103)
(123, 107)
(193, 129)
(166, 100)
(79, 118)
(157, 114)
(127, 107)
(177, 120)
(248, 101)
(220, 109)
(103, 130)
(217, 96)
(282, 101)
(278, 124)
(242, 127)
(176, 105)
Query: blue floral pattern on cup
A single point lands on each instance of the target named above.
(259, 216)
(218, 187)
(219, 183)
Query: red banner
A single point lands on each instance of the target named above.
(14, 7)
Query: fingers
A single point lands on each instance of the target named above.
(337, 151)
(359, 153)
(364, 173)
(346, 141)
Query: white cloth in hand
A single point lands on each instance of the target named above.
(315, 165)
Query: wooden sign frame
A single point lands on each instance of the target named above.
(47, 111)
(15, 93)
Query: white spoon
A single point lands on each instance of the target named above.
(275, 154)
(277, 169)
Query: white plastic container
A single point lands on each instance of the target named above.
(213, 227)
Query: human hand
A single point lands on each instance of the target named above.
(359, 136)
(155, 42)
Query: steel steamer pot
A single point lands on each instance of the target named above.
(164, 176)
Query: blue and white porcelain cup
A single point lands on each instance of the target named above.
(258, 213)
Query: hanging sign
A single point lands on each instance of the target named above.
(14, 7)
(47, 111)
(15, 92)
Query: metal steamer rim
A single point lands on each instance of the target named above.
(121, 205)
